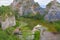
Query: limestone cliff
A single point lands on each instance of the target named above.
(7, 17)
(10, 21)
(53, 11)
(25, 7)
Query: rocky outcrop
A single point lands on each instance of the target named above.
(45, 34)
(8, 22)
(54, 12)
(50, 36)
(25, 7)
(35, 8)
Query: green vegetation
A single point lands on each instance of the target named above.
(5, 36)
(37, 35)
(31, 22)
(5, 11)
(26, 24)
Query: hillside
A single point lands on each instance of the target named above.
(17, 22)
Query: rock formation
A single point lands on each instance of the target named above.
(25, 7)
(7, 17)
(8, 22)
(50, 36)
(53, 11)
(45, 34)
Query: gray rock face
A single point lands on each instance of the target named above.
(36, 8)
(50, 36)
(25, 6)
(0, 20)
(45, 34)
(54, 12)
(10, 21)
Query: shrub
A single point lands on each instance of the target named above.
(37, 35)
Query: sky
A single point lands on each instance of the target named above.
(42, 3)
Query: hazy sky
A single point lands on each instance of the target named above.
(42, 3)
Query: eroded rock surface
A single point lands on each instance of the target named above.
(8, 22)
(50, 36)
(25, 7)
(53, 12)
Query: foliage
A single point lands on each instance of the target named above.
(36, 16)
(49, 4)
(26, 24)
(5, 36)
(36, 4)
(57, 25)
(5, 11)
(37, 35)
(38, 19)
